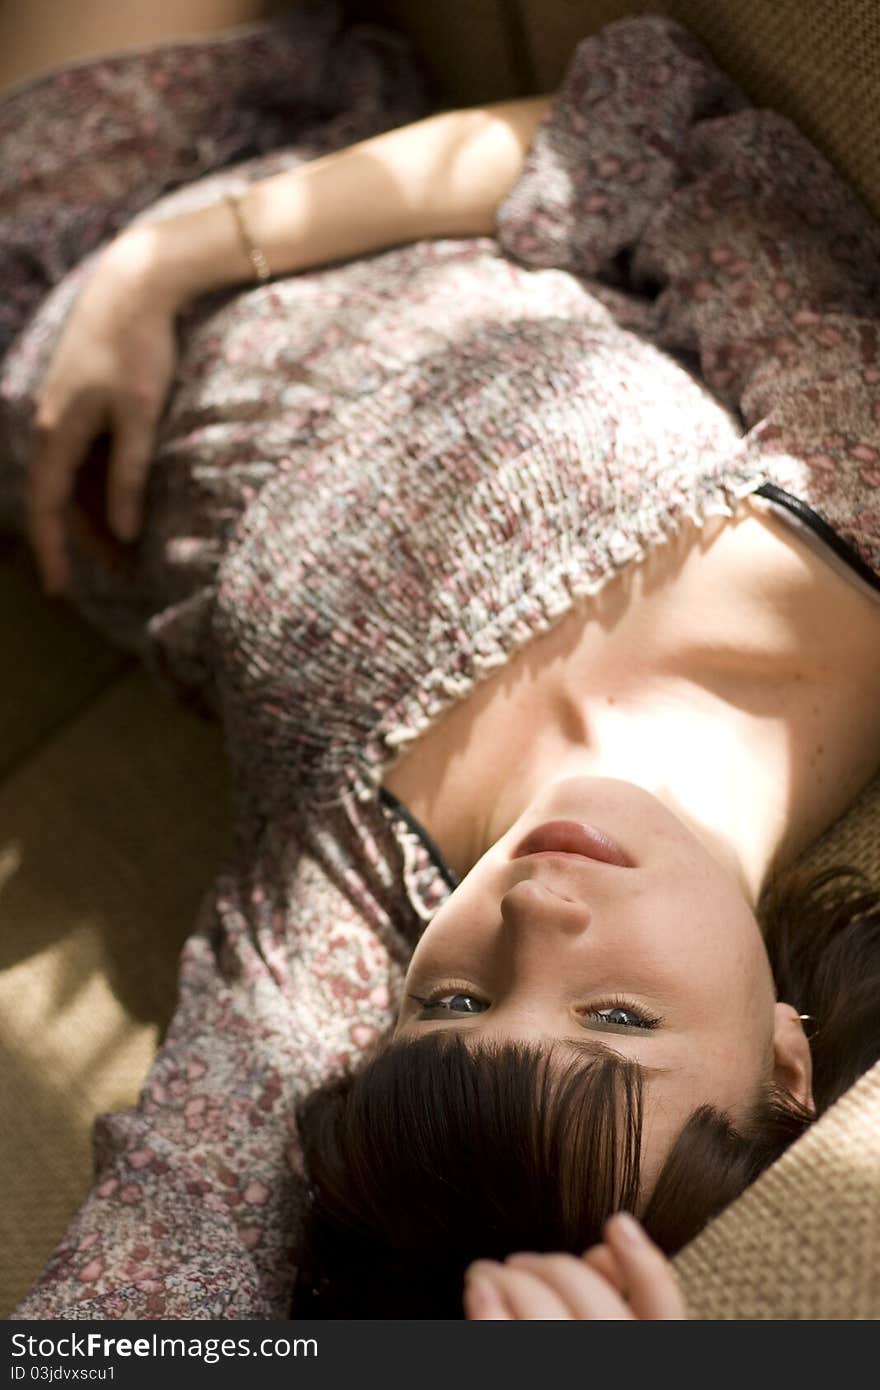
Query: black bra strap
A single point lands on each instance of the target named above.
(450, 877)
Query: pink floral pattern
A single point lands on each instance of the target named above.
(373, 483)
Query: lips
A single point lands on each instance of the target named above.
(573, 837)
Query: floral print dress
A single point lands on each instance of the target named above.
(373, 483)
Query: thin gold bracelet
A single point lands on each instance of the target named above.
(248, 245)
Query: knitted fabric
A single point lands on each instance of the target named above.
(375, 482)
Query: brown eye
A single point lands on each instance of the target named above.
(621, 1015)
(451, 1003)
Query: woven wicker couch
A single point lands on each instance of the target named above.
(112, 799)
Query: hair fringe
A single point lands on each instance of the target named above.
(435, 1152)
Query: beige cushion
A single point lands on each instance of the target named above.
(54, 663)
(112, 804)
(111, 828)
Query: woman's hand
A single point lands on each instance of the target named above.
(109, 376)
(625, 1277)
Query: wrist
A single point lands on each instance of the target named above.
(142, 271)
(180, 258)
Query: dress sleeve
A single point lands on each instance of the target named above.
(651, 172)
(194, 1211)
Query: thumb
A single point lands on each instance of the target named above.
(130, 458)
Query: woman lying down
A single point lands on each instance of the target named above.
(507, 484)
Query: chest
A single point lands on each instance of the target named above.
(781, 651)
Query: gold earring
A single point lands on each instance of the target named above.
(807, 1018)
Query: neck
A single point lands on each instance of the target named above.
(736, 679)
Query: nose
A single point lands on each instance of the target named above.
(535, 913)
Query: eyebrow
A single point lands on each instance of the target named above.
(590, 1047)
(585, 1047)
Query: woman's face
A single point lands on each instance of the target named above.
(658, 959)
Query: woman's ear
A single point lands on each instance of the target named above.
(793, 1062)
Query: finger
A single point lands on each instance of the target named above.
(582, 1290)
(50, 486)
(99, 545)
(483, 1302)
(651, 1284)
(603, 1259)
(133, 436)
(525, 1295)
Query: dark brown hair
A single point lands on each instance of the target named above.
(435, 1153)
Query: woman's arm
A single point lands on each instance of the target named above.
(442, 176)
(114, 363)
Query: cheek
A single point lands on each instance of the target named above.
(744, 1008)
(735, 1062)
(738, 1050)
(751, 977)
(715, 922)
(451, 934)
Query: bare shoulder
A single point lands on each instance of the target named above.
(750, 587)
